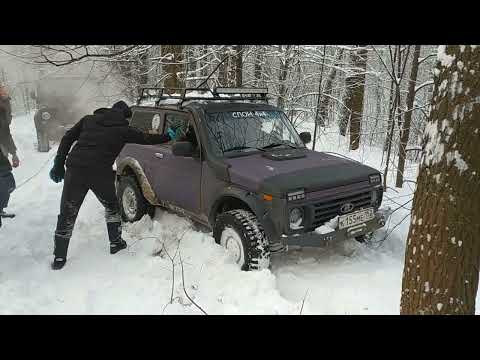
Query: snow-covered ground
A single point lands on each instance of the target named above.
(343, 278)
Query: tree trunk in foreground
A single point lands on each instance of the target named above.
(443, 246)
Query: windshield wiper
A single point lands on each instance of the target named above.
(241, 148)
(278, 144)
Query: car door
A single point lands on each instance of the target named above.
(147, 120)
(177, 179)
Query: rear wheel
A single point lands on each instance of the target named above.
(242, 235)
(133, 204)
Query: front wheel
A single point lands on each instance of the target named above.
(242, 235)
(133, 204)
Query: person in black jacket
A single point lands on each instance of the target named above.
(7, 147)
(100, 138)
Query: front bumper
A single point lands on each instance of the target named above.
(315, 239)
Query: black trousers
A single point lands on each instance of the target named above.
(77, 183)
(7, 185)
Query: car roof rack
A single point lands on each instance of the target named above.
(217, 94)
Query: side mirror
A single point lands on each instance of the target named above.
(306, 137)
(183, 148)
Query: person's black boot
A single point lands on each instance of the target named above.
(60, 251)
(4, 214)
(117, 246)
(115, 235)
(58, 263)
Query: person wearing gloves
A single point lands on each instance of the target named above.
(100, 138)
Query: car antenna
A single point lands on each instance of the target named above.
(213, 72)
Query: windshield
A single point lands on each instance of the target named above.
(246, 131)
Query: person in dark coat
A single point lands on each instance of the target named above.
(100, 138)
(7, 147)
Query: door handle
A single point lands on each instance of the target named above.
(159, 155)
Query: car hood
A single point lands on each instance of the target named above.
(312, 172)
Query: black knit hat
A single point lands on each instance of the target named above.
(123, 107)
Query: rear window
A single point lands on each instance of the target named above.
(147, 121)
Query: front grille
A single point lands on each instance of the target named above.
(327, 210)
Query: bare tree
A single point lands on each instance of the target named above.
(398, 62)
(319, 120)
(405, 130)
(173, 57)
(394, 95)
(285, 63)
(204, 62)
(259, 63)
(327, 90)
(443, 249)
(355, 84)
(230, 72)
(61, 55)
(238, 65)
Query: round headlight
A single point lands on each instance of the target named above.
(46, 115)
(296, 218)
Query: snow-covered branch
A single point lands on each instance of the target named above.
(421, 86)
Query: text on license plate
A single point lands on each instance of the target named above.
(355, 218)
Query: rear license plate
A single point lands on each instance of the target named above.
(355, 218)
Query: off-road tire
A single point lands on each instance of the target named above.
(142, 205)
(43, 143)
(255, 243)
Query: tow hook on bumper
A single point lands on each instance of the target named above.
(315, 239)
(382, 215)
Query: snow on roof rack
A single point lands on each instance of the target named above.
(242, 90)
(186, 94)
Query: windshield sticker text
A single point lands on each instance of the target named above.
(243, 114)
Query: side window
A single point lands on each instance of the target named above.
(175, 121)
(147, 121)
(182, 121)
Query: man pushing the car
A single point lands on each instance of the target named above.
(100, 138)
